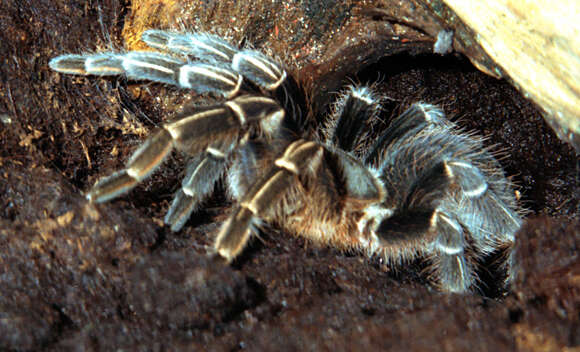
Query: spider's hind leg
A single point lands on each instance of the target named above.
(352, 114)
(453, 265)
(450, 201)
(422, 225)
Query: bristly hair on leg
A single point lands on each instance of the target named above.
(352, 114)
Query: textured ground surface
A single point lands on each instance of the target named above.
(76, 276)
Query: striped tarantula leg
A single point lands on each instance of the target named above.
(423, 221)
(487, 219)
(203, 172)
(405, 231)
(497, 229)
(452, 267)
(156, 67)
(136, 65)
(416, 117)
(356, 107)
(411, 224)
(141, 164)
(414, 228)
(105, 64)
(260, 201)
(257, 67)
(203, 46)
(478, 197)
(243, 174)
(192, 133)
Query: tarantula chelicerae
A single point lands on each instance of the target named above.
(422, 188)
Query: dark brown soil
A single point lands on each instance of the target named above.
(77, 276)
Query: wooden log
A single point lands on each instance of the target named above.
(537, 45)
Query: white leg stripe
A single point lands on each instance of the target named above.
(188, 191)
(462, 164)
(210, 48)
(238, 111)
(453, 224)
(362, 94)
(133, 173)
(251, 206)
(203, 71)
(448, 170)
(127, 62)
(215, 152)
(277, 83)
(174, 128)
(477, 191)
(449, 250)
(262, 65)
(287, 165)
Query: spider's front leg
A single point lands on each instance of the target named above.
(217, 67)
(152, 66)
(305, 174)
(301, 157)
(211, 131)
(204, 63)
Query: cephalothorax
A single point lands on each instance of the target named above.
(422, 188)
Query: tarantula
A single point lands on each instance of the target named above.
(422, 188)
